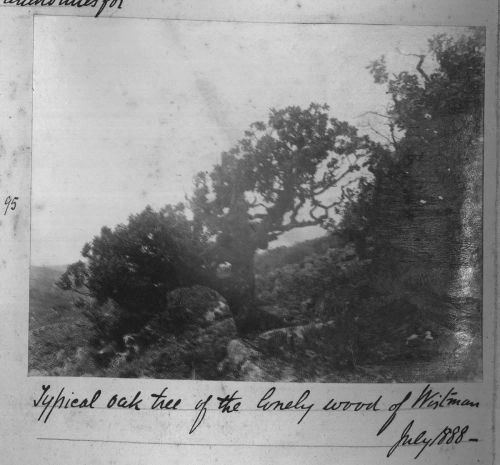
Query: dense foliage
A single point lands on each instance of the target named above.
(136, 264)
(411, 212)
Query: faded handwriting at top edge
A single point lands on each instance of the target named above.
(74, 3)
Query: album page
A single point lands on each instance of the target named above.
(248, 232)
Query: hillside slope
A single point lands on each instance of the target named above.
(57, 329)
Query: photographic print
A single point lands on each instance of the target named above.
(256, 202)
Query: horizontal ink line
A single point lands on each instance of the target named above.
(41, 13)
(202, 444)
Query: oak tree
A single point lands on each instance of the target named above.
(295, 170)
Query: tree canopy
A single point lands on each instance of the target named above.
(283, 173)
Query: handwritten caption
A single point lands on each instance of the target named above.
(99, 5)
(51, 400)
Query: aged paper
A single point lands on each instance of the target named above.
(251, 234)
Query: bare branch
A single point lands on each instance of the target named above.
(85, 294)
(391, 142)
(421, 59)
(374, 113)
(318, 219)
(329, 186)
(257, 216)
(395, 142)
(337, 203)
(296, 209)
(255, 204)
(293, 225)
(420, 70)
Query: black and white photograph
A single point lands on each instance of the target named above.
(256, 202)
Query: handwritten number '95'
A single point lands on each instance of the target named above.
(10, 204)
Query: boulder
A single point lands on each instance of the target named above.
(238, 353)
(244, 362)
(187, 340)
(197, 352)
(187, 309)
(212, 340)
(249, 371)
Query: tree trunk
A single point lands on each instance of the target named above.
(236, 245)
(239, 291)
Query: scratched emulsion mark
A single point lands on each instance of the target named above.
(217, 108)
(215, 105)
(468, 279)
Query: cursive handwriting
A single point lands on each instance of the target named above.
(435, 399)
(428, 399)
(201, 407)
(123, 402)
(226, 404)
(281, 405)
(51, 399)
(447, 435)
(51, 402)
(161, 402)
(394, 409)
(100, 4)
(348, 405)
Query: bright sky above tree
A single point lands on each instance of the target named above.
(126, 111)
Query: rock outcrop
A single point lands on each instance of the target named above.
(187, 340)
(292, 338)
(243, 361)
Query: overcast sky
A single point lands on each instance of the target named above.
(126, 111)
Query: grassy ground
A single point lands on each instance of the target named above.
(58, 331)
